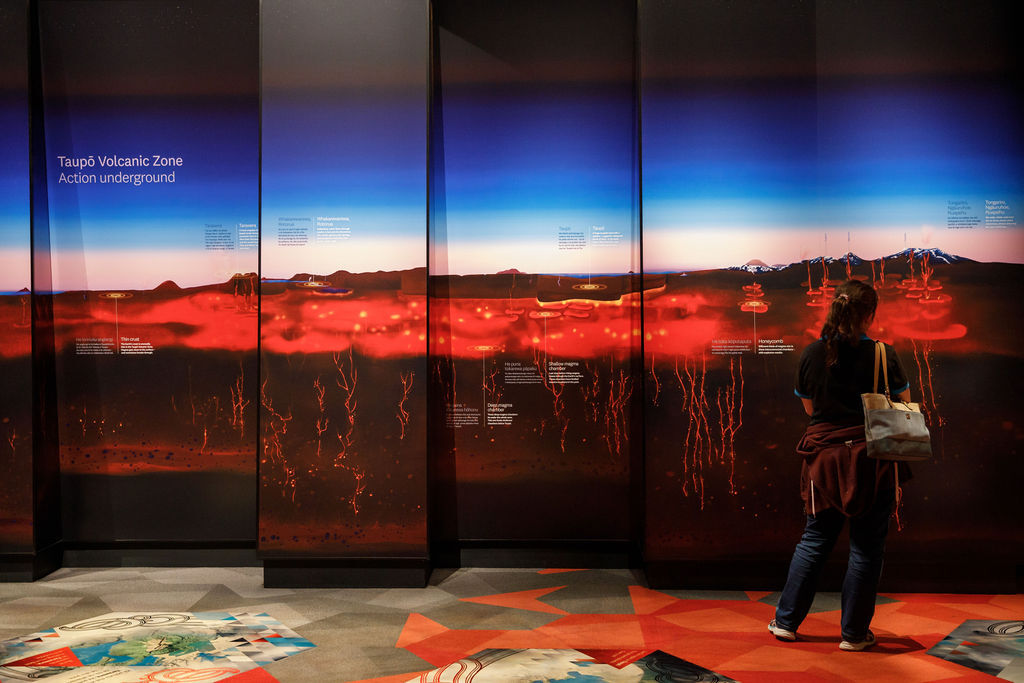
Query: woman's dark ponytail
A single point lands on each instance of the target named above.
(849, 316)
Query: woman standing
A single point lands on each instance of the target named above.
(838, 480)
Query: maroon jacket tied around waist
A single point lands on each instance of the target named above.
(837, 472)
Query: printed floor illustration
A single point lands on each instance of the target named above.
(551, 624)
(131, 647)
(552, 666)
(994, 647)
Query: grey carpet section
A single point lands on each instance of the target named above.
(355, 630)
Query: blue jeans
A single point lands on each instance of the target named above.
(860, 585)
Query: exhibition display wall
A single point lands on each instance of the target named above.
(730, 173)
(16, 496)
(343, 466)
(788, 148)
(151, 129)
(379, 285)
(534, 247)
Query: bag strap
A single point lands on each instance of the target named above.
(874, 387)
(880, 362)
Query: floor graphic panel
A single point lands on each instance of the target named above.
(133, 647)
(992, 647)
(551, 666)
(599, 618)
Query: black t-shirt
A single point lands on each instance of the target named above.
(835, 391)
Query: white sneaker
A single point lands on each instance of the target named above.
(850, 646)
(781, 633)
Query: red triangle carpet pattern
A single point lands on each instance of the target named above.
(728, 637)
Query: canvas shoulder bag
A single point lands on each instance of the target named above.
(894, 430)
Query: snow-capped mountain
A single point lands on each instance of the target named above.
(756, 266)
(853, 258)
(934, 256)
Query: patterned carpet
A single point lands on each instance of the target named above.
(549, 625)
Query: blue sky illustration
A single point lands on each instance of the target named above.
(518, 164)
(217, 140)
(361, 155)
(14, 188)
(15, 238)
(850, 155)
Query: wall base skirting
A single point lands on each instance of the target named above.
(900, 575)
(331, 572)
(23, 567)
(161, 554)
(540, 554)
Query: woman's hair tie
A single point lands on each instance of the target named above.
(843, 297)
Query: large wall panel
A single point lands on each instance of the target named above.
(343, 468)
(788, 147)
(16, 440)
(729, 155)
(921, 163)
(151, 120)
(534, 271)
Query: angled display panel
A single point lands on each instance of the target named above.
(922, 164)
(343, 295)
(534, 270)
(15, 283)
(788, 148)
(151, 119)
(729, 154)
